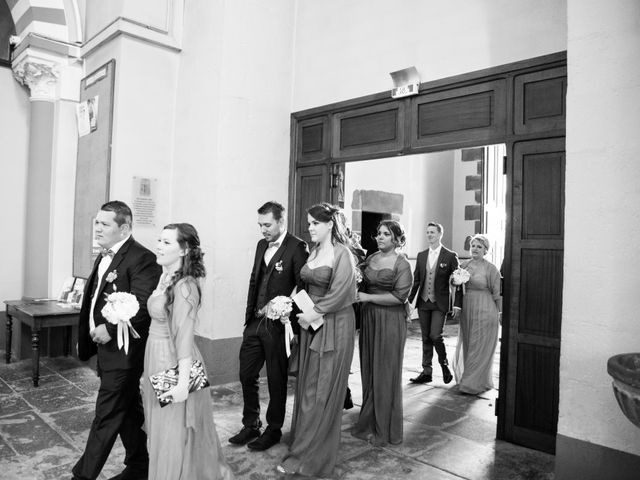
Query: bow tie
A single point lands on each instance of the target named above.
(274, 244)
(109, 252)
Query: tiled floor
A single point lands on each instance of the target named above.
(446, 436)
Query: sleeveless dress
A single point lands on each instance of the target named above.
(383, 332)
(182, 439)
(325, 359)
(478, 338)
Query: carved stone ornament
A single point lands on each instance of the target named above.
(41, 78)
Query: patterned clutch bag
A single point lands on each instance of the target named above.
(167, 379)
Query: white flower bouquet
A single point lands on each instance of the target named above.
(120, 308)
(460, 276)
(279, 308)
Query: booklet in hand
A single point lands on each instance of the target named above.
(304, 303)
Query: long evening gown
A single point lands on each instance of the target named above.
(325, 359)
(182, 439)
(479, 324)
(383, 332)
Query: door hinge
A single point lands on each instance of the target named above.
(504, 165)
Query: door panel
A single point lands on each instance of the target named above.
(533, 302)
(540, 104)
(312, 186)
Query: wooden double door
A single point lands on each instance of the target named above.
(521, 105)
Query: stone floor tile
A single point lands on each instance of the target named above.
(74, 423)
(6, 452)
(62, 363)
(431, 415)
(24, 385)
(379, 463)
(12, 404)
(21, 369)
(5, 389)
(475, 429)
(416, 439)
(57, 398)
(28, 434)
(79, 374)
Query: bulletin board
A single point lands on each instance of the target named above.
(95, 127)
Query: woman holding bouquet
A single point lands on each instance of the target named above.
(183, 443)
(383, 332)
(481, 310)
(326, 348)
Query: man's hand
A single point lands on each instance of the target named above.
(456, 312)
(100, 334)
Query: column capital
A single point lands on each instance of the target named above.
(40, 75)
(50, 74)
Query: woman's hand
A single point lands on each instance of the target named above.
(362, 297)
(305, 319)
(177, 394)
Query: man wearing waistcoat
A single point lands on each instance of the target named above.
(434, 267)
(276, 271)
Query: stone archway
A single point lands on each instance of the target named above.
(58, 21)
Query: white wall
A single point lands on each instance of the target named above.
(424, 180)
(14, 138)
(347, 49)
(232, 140)
(602, 214)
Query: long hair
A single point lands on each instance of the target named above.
(325, 212)
(192, 264)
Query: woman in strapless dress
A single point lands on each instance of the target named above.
(326, 352)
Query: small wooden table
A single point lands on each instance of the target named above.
(39, 314)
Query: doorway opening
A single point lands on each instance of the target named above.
(465, 191)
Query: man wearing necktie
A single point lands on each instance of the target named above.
(434, 267)
(276, 271)
(124, 266)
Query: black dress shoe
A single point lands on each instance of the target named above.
(446, 374)
(422, 378)
(267, 440)
(245, 435)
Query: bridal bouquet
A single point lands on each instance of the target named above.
(279, 308)
(460, 276)
(120, 308)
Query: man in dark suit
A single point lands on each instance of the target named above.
(124, 266)
(434, 267)
(276, 271)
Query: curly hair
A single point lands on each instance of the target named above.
(325, 212)
(192, 264)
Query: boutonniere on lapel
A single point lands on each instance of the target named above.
(278, 266)
(443, 265)
(111, 278)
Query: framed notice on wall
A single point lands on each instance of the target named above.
(95, 125)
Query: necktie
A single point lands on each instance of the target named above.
(106, 252)
(274, 244)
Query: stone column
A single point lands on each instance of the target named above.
(41, 77)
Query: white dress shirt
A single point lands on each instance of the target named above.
(433, 255)
(102, 268)
(273, 248)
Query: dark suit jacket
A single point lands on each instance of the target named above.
(445, 266)
(136, 272)
(292, 254)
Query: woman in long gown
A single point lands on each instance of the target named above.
(182, 439)
(480, 321)
(383, 332)
(326, 354)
